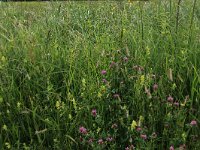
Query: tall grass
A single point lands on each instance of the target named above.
(100, 75)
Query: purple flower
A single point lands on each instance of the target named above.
(139, 129)
(100, 141)
(116, 95)
(193, 123)
(104, 81)
(170, 99)
(83, 130)
(171, 147)
(143, 136)
(155, 87)
(176, 104)
(90, 140)
(103, 72)
(112, 64)
(127, 148)
(94, 112)
(109, 139)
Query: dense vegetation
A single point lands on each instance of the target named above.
(100, 75)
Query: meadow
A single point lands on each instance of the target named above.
(100, 75)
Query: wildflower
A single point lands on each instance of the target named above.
(141, 120)
(3, 59)
(109, 139)
(98, 130)
(132, 147)
(5, 127)
(90, 140)
(154, 135)
(143, 136)
(83, 130)
(140, 68)
(193, 123)
(133, 125)
(147, 91)
(8, 146)
(176, 104)
(94, 112)
(18, 104)
(125, 59)
(114, 126)
(135, 67)
(139, 129)
(58, 104)
(171, 147)
(182, 147)
(155, 87)
(127, 148)
(103, 72)
(184, 136)
(70, 117)
(170, 99)
(142, 79)
(100, 141)
(83, 82)
(112, 64)
(116, 95)
(104, 81)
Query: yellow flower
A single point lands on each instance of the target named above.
(3, 59)
(70, 117)
(148, 51)
(99, 95)
(141, 119)
(58, 104)
(5, 127)
(8, 145)
(98, 130)
(133, 125)
(142, 79)
(18, 104)
(184, 136)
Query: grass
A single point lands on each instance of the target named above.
(54, 94)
